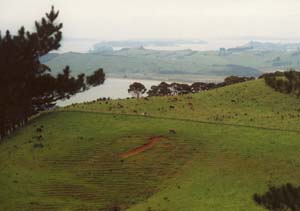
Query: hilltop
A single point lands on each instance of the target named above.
(208, 151)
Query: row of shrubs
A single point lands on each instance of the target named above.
(285, 82)
(165, 89)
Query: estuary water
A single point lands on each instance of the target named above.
(113, 88)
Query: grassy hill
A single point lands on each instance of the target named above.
(214, 151)
(251, 104)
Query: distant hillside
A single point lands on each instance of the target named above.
(185, 65)
(269, 46)
(139, 43)
(48, 57)
(163, 65)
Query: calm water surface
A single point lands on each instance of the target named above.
(113, 87)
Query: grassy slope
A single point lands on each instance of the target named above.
(201, 167)
(80, 167)
(252, 104)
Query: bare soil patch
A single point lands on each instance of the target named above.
(150, 144)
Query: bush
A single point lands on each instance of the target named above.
(285, 82)
(284, 198)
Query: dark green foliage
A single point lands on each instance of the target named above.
(200, 86)
(97, 78)
(26, 85)
(137, 89)
(180, 89)
(285, 82)
(165, 89)
(284, 198)
(235, 79)
(266, 75)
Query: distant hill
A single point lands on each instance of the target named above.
(268, 46)
(48, 57)
(186, 65)
(178, 65)
(139, 43)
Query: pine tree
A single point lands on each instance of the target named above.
(27, 86)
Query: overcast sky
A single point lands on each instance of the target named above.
(160, 19)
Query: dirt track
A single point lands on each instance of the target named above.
(151, 143)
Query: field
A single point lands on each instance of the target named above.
(213, 151)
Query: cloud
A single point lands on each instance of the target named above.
(130, 19)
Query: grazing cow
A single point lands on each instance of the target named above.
(172, 131)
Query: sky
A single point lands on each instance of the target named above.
(160, 19)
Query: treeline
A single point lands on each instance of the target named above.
(27, 86)
(285, 82)
(165, 89)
